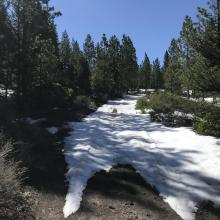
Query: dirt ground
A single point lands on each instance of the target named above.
(118, 195)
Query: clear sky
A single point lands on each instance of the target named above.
(150, 23)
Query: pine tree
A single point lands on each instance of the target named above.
(186, 40)
(81, 70)
(89, 50)
(114, 67)
(157, 75)
(166, 62)
(100, 76)
(200, 72)
(129, 66)
(6, 48)
(204, 78)
(145, 73)
(98, 79)
(172, 74)
(208, 32)
(84, 77)
(65, 60)
(46, 63)
(32, 22)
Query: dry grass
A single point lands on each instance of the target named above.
(13, 204)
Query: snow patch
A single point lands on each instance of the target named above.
(185, 115)
(183, 165)
(10, 92)
(34, 121)
(53, 130)
(214, 101)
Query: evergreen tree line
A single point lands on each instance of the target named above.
(105, 70)
(33, 62)
(29, 50)
(150, 76)
(192, 62)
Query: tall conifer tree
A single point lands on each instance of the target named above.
(145, 73)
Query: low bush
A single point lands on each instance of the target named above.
(101, 99)
(51, 96)
(209, 124)
(173, 110)
(162, 103)
(84, 102)
(114, 111)
(142, 103)
(13, 204)
(7, 112)
(143, 111)
(40, 152)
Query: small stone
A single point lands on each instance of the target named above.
(111, 207)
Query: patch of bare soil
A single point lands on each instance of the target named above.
(121, 194)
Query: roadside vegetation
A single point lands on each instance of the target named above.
(176, 111)
(46, 82)
(191, 71)
(11, 193)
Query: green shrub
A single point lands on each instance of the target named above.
(13, 204)
(7, 112)
(115, 111)
(143, 111)
(47, 97)
(93, 105)
(204, 117)
(84, 102)
(101, 99)
(162, 103)
(142, 103)
(209, 125)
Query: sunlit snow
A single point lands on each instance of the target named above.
(184, 166)
(10, 92)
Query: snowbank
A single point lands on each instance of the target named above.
(182, 165)
(185, 115)
(3, 91)
(216, 101)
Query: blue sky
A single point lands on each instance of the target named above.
(150, 23)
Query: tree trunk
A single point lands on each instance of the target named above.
(218, 14)
(18, 58)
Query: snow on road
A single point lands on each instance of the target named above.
(184, 166)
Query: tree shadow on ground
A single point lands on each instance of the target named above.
(126, 193)
(105, 139)
(122, 192)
